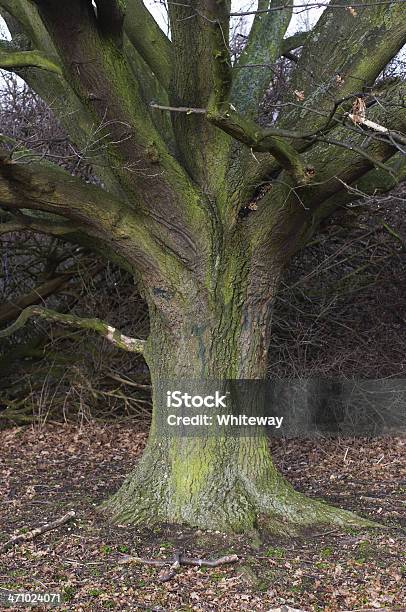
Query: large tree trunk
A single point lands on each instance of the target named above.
(214, 482)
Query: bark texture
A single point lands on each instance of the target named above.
(219, 481)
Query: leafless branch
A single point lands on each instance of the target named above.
(132, 345)
(24, 537)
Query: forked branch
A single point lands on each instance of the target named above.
(265, 141)
(131, 345)
(263, 48)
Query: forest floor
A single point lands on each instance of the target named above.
(45, 472)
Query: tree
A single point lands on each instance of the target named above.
(202, 203)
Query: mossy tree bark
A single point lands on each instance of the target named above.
(203, 205)
(214, 481)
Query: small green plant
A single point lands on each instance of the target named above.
(12, 586)
(351, 531)
(326, 552)
(60, 578)
(275, 553)
(363, 551)
(123, 548)
(95, 592)
(322, 565)
(105, 550)
(68, 592)
(262, 586)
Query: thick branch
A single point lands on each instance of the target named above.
(45, 187)
(71, 233)
(343, 54)
(347, 175)
(149, 40)
(15, 60)
(202, 55)
(40, 226)
(263, 48)
(110, 16)
(293, 42)
(364, 153)
(382, 121)
(151, 89)
(202, 68)
(152, 179)
(291, 216)
(28, 31)
(265, 141)
(132, 345)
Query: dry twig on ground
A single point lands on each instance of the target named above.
(24, 537)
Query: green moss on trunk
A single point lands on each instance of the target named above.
(216, 482)
(219, 484)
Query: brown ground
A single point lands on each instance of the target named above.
(46, 472)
